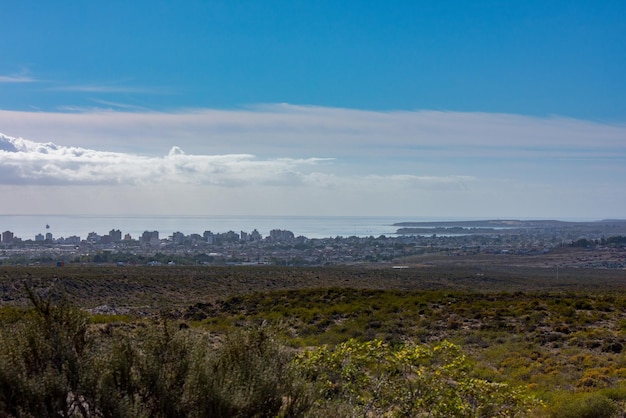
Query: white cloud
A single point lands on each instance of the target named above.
(288, 131)
(16, 79)
(283, 159)
(118, 105)
(109, 88)
(292, 185)
(100, 89)
(28, 162)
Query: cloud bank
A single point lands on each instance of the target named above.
(283, 130)
(28, 162)
(304, 160)
(25, 162)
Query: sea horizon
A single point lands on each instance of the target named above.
(28, 226)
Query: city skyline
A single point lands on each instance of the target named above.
(147, 236)
(453, 109)
(247, 229)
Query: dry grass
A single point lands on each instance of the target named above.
(175, 286)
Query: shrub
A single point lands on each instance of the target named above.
(44, 357)
(374, 378)
(586, 405)
(250, 375)
(53, 366)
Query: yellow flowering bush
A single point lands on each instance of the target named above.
(373, 378)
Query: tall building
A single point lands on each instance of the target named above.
(281, 235)
(209, 237)
(230, 236)
(150, 237)
(74, 239)
(178, 238)
(93, 237)
(7, 237)
(115, 235)
(255, 236)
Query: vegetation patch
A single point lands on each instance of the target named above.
(155, 342)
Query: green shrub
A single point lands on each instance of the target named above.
(586, 405)
(54, 366)
(58, 361)
(44, 357)
(250, 375)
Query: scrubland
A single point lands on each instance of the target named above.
(445, 337)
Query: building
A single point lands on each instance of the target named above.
(93, 237)
(7, 237)
(115, 235)
(74, 239)
(178, 238)
(281, 235)
(255, 236)
(195, 237)
(150, 237)
(230, 236)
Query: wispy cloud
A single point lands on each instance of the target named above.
(109, 89)
(287, 131)
(118, 105)
(16, 79)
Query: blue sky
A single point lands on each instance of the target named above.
(413, 108)
(562, 58)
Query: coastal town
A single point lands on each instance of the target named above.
(604, 243)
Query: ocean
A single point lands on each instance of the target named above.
(27, 226)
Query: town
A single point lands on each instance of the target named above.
(283, 247)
